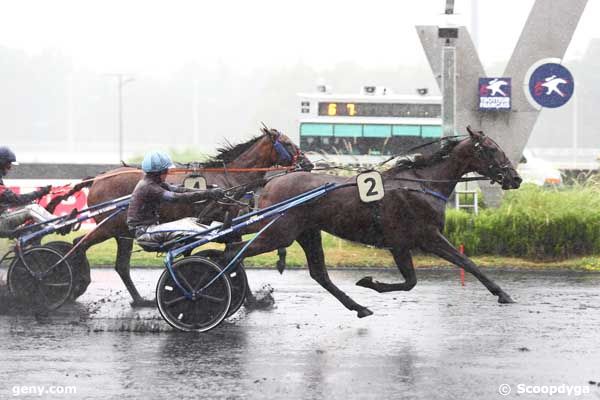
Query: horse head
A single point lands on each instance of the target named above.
(489, 160)
(285, 152)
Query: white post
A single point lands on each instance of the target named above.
(448, 73)
(448, 89)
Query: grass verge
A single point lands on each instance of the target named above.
(339, 253)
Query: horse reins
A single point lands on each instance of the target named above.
(409, 151)
(279, 148)
(405, 153)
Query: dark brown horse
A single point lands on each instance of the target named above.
(410, 215)
(267, 150)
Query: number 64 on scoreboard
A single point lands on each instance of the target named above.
(370, 186)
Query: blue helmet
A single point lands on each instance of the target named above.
(7, 156)
(156, 161)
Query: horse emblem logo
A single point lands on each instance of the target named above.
(494, 93)
(551, 85)
(495, 87)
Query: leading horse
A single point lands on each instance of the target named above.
(270, 149)
(410, 215)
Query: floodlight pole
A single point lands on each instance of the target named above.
(122, 80)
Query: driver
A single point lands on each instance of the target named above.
(20, 208)
(143, 214)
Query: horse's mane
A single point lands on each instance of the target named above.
(226, 154)
(416, 161)
(230, 152)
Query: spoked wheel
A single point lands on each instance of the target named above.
(42, 279)
(7, 258)
(237, 277)
(79, 264)
(60, 246)
(207, 308)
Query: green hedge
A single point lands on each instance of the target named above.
(533, 222)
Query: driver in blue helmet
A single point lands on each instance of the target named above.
(16, 209)
(143, 213)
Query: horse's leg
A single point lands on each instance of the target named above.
(261, 245)
(404, 262)
(96, 236)
(310, 241)
(123, 268)
(440, 246)
(282, 253)
(81, 274)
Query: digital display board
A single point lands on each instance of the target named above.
(405, 110)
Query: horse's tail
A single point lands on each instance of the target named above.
(87, 182)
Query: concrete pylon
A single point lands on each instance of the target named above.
(547, 34)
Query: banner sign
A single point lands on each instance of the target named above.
(494, 94)
(551, 85)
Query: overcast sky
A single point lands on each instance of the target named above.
(158, 37)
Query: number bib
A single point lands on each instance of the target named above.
(195, 182)
(370, 186)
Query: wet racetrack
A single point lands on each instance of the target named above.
(438, 341)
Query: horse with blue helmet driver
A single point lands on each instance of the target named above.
(143, 214)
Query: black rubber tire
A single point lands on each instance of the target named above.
(59, 245)
(80, 267)
(202, 313)
(7, 258)
(49, 292)
(237, 277)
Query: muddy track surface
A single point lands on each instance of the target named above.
(439, 340)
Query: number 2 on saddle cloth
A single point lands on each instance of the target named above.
(370, 191)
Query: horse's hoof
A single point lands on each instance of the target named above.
(261, 300)
(505, 299)
(143, 303)
(280, 267)
(365, 312)
(367, 282)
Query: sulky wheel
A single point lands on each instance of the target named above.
(80, 266)
(7, 258)
(60, 246)
(237, 277)
(40, 277)
(207, 308)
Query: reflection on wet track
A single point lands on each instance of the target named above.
(439, 340)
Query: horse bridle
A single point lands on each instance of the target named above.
(496, 173)
(283, 154)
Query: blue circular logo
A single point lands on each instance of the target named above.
(551, 85)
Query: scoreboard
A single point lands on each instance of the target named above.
(369, 124)
(398, 110)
